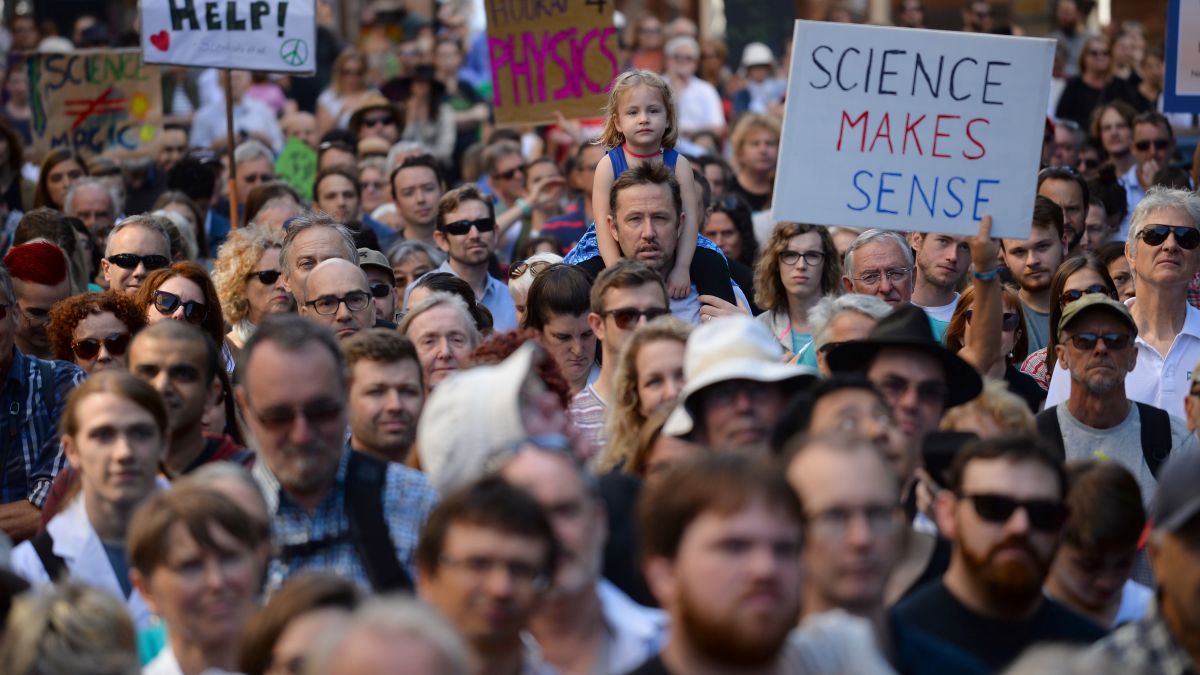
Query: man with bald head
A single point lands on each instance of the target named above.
(338, 295)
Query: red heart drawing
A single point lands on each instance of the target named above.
(161, 40)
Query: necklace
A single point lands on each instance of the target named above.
(631, 153)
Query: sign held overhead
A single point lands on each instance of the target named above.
(267, 35)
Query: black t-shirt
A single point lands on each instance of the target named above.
(1026, 387)
(934, 612)
(654, 666)
(756, 202)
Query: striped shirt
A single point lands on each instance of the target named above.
(29, 413)
(587, 411)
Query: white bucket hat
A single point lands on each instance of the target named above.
(757, 54)
(734, 347)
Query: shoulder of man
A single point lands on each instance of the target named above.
(1062, 624)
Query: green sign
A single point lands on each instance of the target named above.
(297, 165)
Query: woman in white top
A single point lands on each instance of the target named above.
(114, 435)
(346, 90)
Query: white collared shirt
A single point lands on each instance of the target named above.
(636, 633)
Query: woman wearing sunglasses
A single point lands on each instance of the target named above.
(1014, 344)
(93, 330)
(798, 267)
(183, 292)
(247, 277)
(1074, 278)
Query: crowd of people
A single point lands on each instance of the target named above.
(566, 399)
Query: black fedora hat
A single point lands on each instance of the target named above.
(908, 327)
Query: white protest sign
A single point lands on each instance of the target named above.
(269, 35)
(913, 130)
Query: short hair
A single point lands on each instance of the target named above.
(114, 197)
(45, 223)
(1048, 214)
(235, 259)
(752, 122)
(195, 507)
(1010, 412)
(422, 160)
(248, 151)
(380, 345)
(392, 617)
(291, 333)
(38, 262)
(300, 594)
(519, 286)
(401, 150)
(268, 194)
(1172, 177)
(307, 221)
(1157, 119)
(559, 289)
(682, 42)
(181, 234)
(1077, 134)
(872, 236)
(336, 170)
(120, 384)
(1013, 448)
(444, 299)
(624, 274)
(66, 316)
(494, 152)
(1109, 251)
(69, 629)
(490, 503)
(1069, 175)
(720, 482)
(841, 442)
(798, 416)
(1159, 198)
(455, 198)
(1107, 514)
(403, 250)
(769, 292)
(455, 285)
(150, 222)
(646, 174)
(182, 331)
(214, 323)
(823, 313)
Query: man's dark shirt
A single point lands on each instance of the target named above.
(654, 666)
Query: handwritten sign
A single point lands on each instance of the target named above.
(1181, 91)
(913, 130)
(93, 100)
(270, 35)
(297, 165)
(550, 55)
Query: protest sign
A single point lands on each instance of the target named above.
(1181, 86)
(268, 35)
(549, 55)
(906, 129)
(297, 165)
(93, 100)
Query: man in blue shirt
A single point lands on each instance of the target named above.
(466, 231)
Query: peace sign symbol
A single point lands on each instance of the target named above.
(294, 52)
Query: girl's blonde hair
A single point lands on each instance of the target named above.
(612, 136)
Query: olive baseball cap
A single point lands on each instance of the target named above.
(1095, 301)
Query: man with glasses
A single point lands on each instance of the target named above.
(1004, 512)
(330, 507)
(1096, 346)
(382, 280)
(377, 117)
(879, 263)
(977, 16)
(504, 168)
(1163, 256)
(338, 296)
(1033, 262)
(417, 185)
(136, 247)
(254, 165)
(624, 297)
(1152, 148)
(40, 281)
(466, 232)
(941, 262)
(487, 556)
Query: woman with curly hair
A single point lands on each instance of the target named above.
(649, 376)
(247, 277)
(183, 292)
(798, 267)
(93, 330)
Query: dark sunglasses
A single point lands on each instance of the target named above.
(265, 277)
(1087, 341)
(627, 317)
(508, 175)
(194, 311)
(1090, 162)
(1188, 238)
(381, 121)
(1044, 514)
(535, 268)
(1010, 323)
(130, 261)
(1158, 143)
(282, 417)
(380, 290)
(1071, 296)
(86, 350)
(461, 227)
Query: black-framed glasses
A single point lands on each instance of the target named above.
(265, 277)
(1072, 295)
(1158, 144)
(279, 418)
(166, 303)
(1009, 323)
(626, 317)
(380, 290)
(130, 261)
(1087, 341)
(510, 174)
(522, 573)
(811, 258)
(1044, 514)
(462, 227)
(89, 348)
(535, 268)
(328, 304)
(1188, 238)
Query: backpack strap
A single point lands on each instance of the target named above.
(365, 478)
(55, 566)
(1050, 431)
(46, 368)
(1156, 436)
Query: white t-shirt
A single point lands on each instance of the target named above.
(943, 313)
(698, 106)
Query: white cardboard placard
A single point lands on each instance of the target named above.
(269, 35)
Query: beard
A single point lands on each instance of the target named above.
(1099, 384)
(731, 640)
(1008, 583)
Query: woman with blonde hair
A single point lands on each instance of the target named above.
(249, 281)
(69, 629)
(798, 267)
(649, 376)
(347, 89)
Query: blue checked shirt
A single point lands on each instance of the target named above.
(29, 426)
(408, 498)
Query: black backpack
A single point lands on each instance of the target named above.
(1156, 434)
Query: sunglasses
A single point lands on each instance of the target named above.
(130, 261)
(194, 311)
(1010, 322)
(535, 268)
(378, 121)
(461, 227)
(88, 349)
(1071, 296)
(1188, 238)
(265, 277)
(1044, 514)
(928, 393)
(628, 317)
(1087, 341)
(282, 417)
(380, 290)
(1158, 143)
(510, 174)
